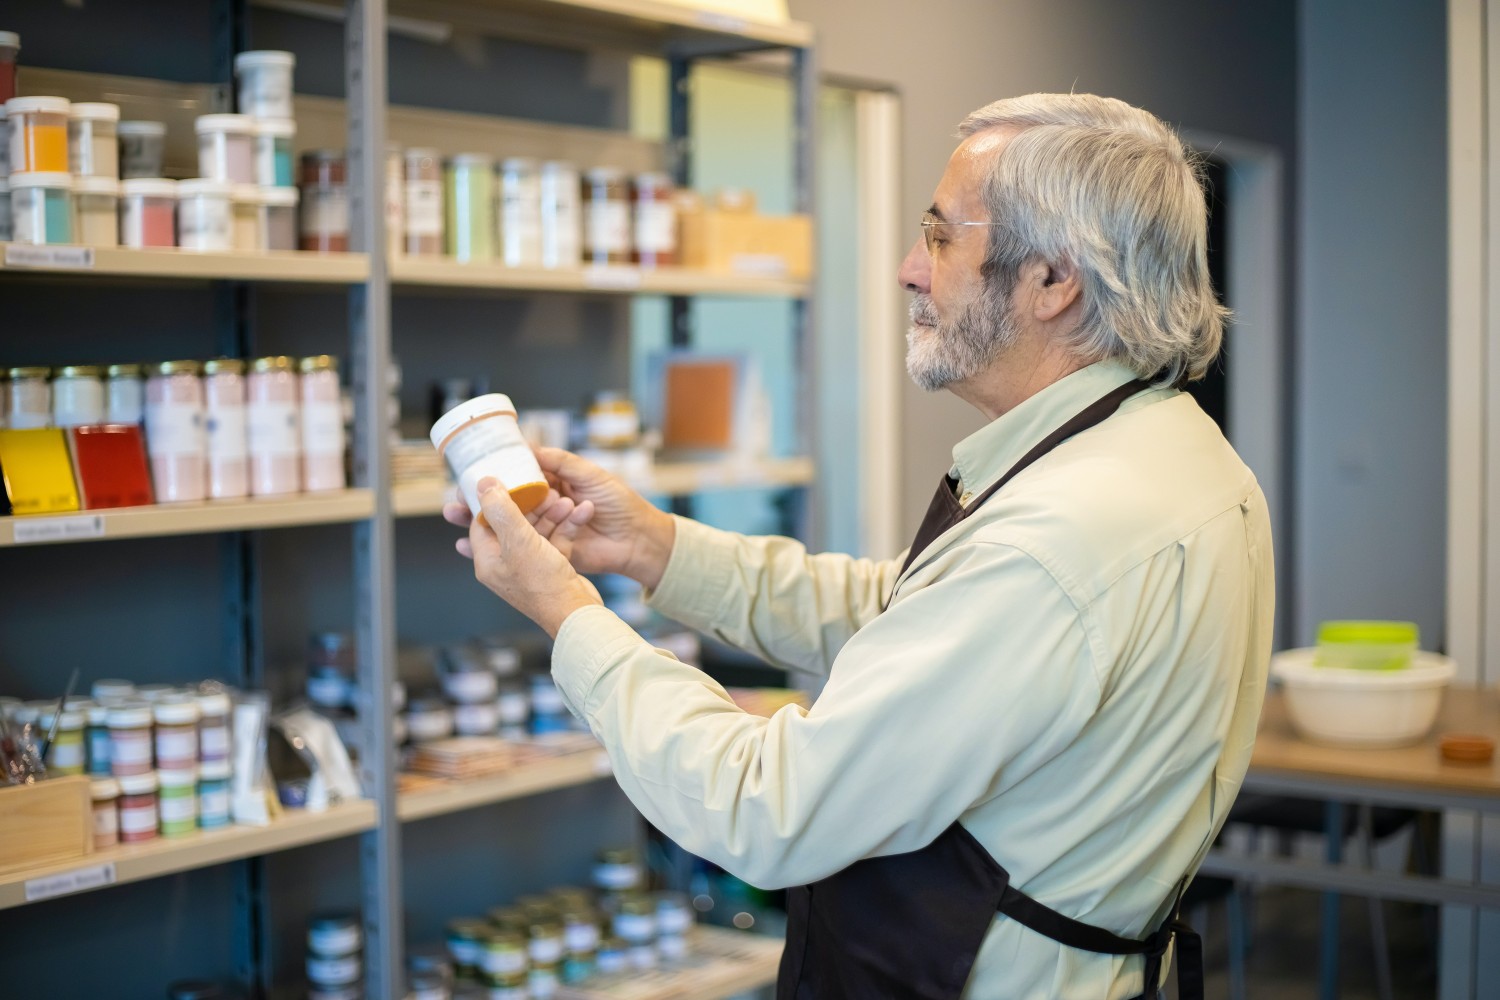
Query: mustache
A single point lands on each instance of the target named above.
(922, 310)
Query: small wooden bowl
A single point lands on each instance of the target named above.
(1467, 748)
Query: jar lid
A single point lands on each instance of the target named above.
(223, 366)
(274, 363)
(79, 371)
(175, 368)
(467, 927)
(283, 197)
(153, 693)
(45, 105)
(96, 185)
(143, 128)
(98, 715)
(518, 163)
(323, 156)
(172, 778)
(333, 922)
(30, 371)
(137, 784)
(194, 187)
(120, 371)
(148, 187)
(233, 124)
(488, 405)
(471, 160)
(422, 153)
(24, 713)
(319, 363)
(215, 770)
(41, 179)
(177, 709)
(95, 111)
(110, 687)
(277, 128)
(214, 702)
(264, 57)
(10, 39)
(605, 175)
(245, 194)
(103, 789)
(69, 719)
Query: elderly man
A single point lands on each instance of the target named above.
(1036, 719)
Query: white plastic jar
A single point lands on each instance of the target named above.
(227, 442)
(148, 212)
(278, 218)
(519, 209)
(93, 140)
(204, 216)
(142, 146)
(174, 431)
(78, 396)
(124, 403)
(39, 134)
(273, 426)
(244, 211)
(322, 425)
(41, 208)
(273, 152)
(265, 83)
(96, 210)
(226, 148)
(481, 438)
(562, 226)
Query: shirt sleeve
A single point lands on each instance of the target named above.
(960, 689)
(768, 596)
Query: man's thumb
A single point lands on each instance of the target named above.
(499, 509)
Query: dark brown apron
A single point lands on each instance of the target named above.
(911, 925)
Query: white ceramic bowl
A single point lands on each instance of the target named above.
(1362, 708)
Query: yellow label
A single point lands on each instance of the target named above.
(38, 472)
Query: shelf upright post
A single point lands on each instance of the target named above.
(806, 87)
(374, 539)
(680, 152)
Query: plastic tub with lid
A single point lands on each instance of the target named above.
(1362, 708)
(39, 134)
(265, 83)
(480, 438)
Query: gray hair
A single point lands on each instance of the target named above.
(1113, 190)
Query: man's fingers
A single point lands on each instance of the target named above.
(498, 508)
(464, 547)
(536, 513)
(457, 514)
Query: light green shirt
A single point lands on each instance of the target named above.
(1075, 672)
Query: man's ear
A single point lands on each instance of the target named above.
(1058, 287)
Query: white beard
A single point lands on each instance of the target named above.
(939, 354)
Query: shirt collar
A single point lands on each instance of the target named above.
(986, 455)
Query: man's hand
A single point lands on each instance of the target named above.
(524, 568)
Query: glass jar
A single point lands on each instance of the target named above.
(96, 211)
(655, 220)
(96, 741)
(205, 219)
(30, 398)
(176, 717)
(395, 201)
(519, 212)
(244, 218)
(470, 201)
(141, 147)
(428, 719)
(561, 217)
(177, 801)
(39, 134)
(66, 755)
(10, 44)
(78, 396)
(226, 148)
(334, 935)
(322, 425)
(174, 431)
(617, 870)
(274, 429)
(480, 719)
(214, 708)
(606, 217)
(278, 218)
(613, 957)
(148, 211)
(325, 201)
(466, 946)
(104, 793)
(93, 142)
(124, 400)
(41, 208)
(138, 815)
(612, 421)
(213, 794)
(224, 408)
(466, 678)
(542, 982)
(504, 957)
(549, 714)
(424, 203)
(273, 152)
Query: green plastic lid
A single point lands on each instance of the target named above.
(1367, 633)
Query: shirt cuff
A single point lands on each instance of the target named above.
(697, 574)
(589, 640)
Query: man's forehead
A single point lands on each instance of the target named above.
(960, 191)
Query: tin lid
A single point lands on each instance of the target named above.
(143, 128)
(274, 363)
(32, 105)
(148, 187)
(103, 789)
(215, 770)
(41, 179)
(233, 124)
(69, 719)
(175, 368)
(120, 371)
(214, 703)
(283, 197)
(277, 128)
(468, 928)
(110, 687)
(318, 363)
(152, 693)
(333, 922)
(488, 405)
(176, 710)
(224, 366)
(98, 715)
(9, 39)
(185, 778)
(137, 784)
(518, 163)
(30, 371)
(257, 58)
(96, 185)
(96, 111)
(195, 187)
(79, 371)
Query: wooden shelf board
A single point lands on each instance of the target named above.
(136, 862)
(720, 963)
(188, 265)
(189, 518)
(526, 779)
(442, 272)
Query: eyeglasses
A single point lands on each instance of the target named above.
(930, 226)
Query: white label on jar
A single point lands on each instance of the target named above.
(272, 429)
(176, 746)
(612, 426)
(475, 720)
(655, 227)
(332, 971)
(77, 880)
(466, 952)
(322, 428)
(514, 706)
(138, 819)
(106, 820)
(608, 225)
(179, 808)
(265, 92)
(635, 926)
(502, 963)
(32, 530)
(581, 937)
(620, 876)
(66, 258)
(214, 805)
(215, 742)
(226, 432)
(334, 941)
(133, 747)
(424, 208)
(174, 429)
(65, 756)
(30, 215)
(205, 224)
(545, 951)
(325, 211)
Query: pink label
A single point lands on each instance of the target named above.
(138, 819)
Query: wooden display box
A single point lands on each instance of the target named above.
(743, 243)
(46, 823)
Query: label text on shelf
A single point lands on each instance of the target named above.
(612, 277)
(722, 22)
(67, 883)
(22, 255)
(30, 530)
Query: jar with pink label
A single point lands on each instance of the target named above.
(228, 452)
(322, 425)
(176, 718)
(174, 431)
(274, 427)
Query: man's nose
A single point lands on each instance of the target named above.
(915, 273)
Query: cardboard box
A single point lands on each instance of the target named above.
(766, 246)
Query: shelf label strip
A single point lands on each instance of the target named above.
(31, 530)
(77, 880)
(58, 258)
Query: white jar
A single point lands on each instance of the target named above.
(322, 425)
(226, 148)
(41, 208)
(124, 400)
(148, 211)
(481, 438)
(265, 83)
(244, 211)
(519, 207)
(481, 719)
(174, 431)
(274, 427)
(205, 219)
(93, 140)
(562, 233)
(142, 145)
(96, 209)
(77, 396)
(278, 218)
(224, 410)
(30, 399)
(273, 152)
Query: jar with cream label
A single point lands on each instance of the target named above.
(479, 439)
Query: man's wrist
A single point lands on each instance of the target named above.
(557, 612)
(653, 550)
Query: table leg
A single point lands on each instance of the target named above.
(1328, 953)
